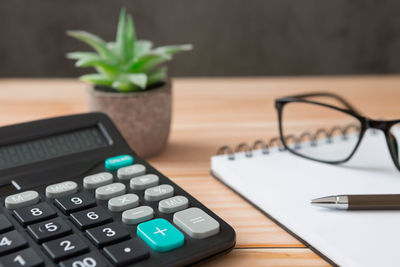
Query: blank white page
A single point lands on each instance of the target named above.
(283, 185)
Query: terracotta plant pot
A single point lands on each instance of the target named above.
(143, 118)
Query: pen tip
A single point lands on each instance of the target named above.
(338, 202)
(324, 200)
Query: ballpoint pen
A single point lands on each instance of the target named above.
(359, 202)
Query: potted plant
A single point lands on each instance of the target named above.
(130, 85)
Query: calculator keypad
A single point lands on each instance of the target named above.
(93, 210)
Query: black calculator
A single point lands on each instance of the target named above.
(74, 194)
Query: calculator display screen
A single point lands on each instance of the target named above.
(51, 147)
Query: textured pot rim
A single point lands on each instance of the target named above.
(165, 87)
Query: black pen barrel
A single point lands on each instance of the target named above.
(374, 202)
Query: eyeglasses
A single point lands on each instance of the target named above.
(330, 124)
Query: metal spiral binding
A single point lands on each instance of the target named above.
(265, 147)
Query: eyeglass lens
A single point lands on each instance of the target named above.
(318, 139)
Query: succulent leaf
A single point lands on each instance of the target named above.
(148, 61)
(97, 78)
(80, 55)
(120, 39)
(122, 86)
(94, 41)
(142, 47)
(92, 60)
(113, 47)
(130, 38)
(139, 79)
(173, 49)
(157, 76)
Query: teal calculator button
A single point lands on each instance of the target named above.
(117, 162)
(160, 235)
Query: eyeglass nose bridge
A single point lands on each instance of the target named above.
(381, 125)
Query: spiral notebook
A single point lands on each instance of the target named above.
(281, 185)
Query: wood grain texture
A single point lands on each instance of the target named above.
(207, 114)
(269, 257)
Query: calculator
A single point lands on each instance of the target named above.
(74, 194)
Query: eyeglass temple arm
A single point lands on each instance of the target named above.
(337, 97)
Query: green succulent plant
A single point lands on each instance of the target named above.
(127, 64)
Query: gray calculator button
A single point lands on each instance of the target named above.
(123, 202)
(96, 180)
(143, 182)
(110, 191)
(137, 215)
(173, 204)
(158, 192)
(23, 199)
(196, 223)
(61, 189)
(131, 171)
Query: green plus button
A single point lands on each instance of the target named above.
(160, 235)
(117, 162)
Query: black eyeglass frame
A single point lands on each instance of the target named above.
(365, 122)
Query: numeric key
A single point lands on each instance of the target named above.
(49, 229)
(11, 241)
(25, 258)
(86, 260)
(35, 213)
(107, 234)
(90, 218)
(65, 247)
(75, 202)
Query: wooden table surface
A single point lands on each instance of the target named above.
(209, 113)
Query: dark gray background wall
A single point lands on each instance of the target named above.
(231, 37)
